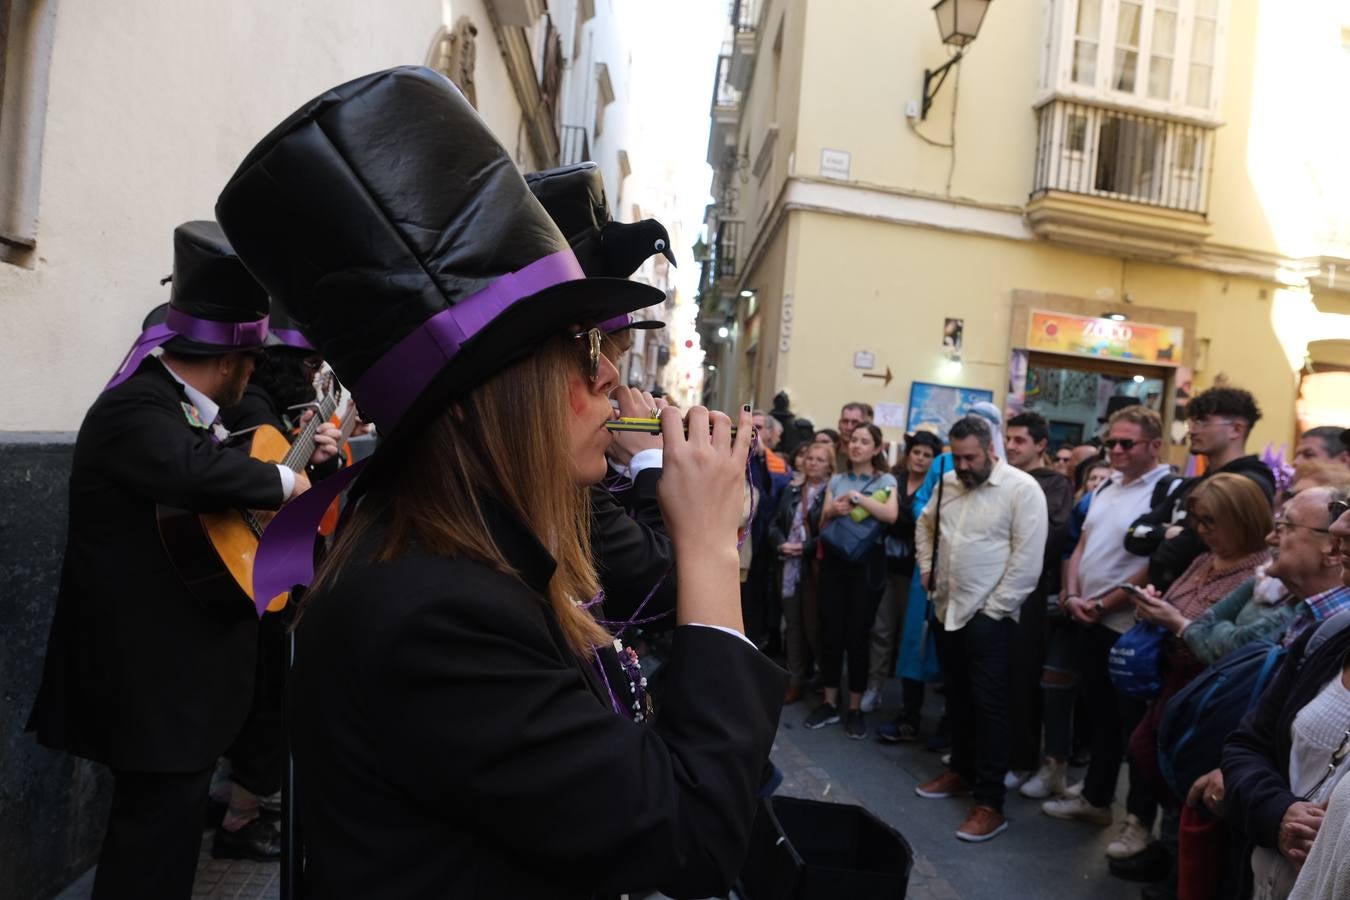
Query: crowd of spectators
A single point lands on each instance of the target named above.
(1082, 610)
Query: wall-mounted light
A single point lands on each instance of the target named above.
(747, 293)
(1139, 379)
(1117, 317)
(959, 23)
(723, 332)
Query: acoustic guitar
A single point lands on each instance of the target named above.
(213, 552)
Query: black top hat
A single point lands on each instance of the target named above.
(283, 331)
(574, 196)
(214, 306)
(391, 223)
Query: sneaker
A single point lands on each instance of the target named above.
(822, 715)
(948, 784)
(1077, 808)
(1015, 779)
(854, 726)
(871, 698)
(1132, 840)
(983, 823)
(897, 732)
(1048, 782)
(1075, 789)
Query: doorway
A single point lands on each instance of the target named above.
(1074, 394)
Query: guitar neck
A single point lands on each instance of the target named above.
(302, 448)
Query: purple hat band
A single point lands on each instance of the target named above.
(618, 323)
(389, 387)
(181, 324)
(285, 555)
(291, 338)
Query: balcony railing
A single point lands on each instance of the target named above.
(575, 146)
(745, 14)
(723, 93)
(726, 250)
(1122, 155)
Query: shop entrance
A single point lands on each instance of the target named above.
(1075, 393)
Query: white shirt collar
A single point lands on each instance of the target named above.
(208, 408)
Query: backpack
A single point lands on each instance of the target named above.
(1199, 717)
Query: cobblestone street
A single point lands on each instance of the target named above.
(1037, 857)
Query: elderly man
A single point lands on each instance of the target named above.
(989, 523)
(1266, 765)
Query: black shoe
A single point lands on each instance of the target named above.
(1153, 863)
(822, 715)
(259, 841)
(854, 726)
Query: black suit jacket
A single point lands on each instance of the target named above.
(140, 674)
(449, 744)
(633, 552)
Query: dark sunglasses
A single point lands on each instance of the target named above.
(1338, 508)
(594, 338)
(1126, 444)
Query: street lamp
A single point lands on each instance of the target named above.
(959, 23)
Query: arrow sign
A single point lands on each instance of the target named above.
(887, 377)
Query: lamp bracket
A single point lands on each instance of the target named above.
(936, 77)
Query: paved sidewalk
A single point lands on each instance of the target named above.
(1037, 857)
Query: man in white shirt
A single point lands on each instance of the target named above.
(1099, 612)
(989, 522)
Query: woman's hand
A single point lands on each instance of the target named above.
(1208, 789)
(702, 490)
(1158, 611)
(1298, 830)
(634, 404)
(841, 506)
(326, 439)
(790, 548)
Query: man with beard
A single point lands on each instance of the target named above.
(143, 673)
(989, 524)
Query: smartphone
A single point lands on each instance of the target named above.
(1138, 592)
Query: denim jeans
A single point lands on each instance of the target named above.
(977, 668)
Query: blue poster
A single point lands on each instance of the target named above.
(936, 406)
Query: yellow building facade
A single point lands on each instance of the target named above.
(1108, 197)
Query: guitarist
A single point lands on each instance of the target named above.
(141, 674)
(279, 392)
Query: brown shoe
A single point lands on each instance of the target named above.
(792, 694)
(948, 784)
(983, 823)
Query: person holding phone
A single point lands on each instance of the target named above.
(850, 591)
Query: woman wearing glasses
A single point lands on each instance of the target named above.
(452, 733)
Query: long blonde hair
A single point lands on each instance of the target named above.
(499, 442)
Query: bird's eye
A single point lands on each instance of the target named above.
(660, 244)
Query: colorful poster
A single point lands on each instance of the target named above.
(1156, 345)
(936, 406)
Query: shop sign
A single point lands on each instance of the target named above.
(1156, 345)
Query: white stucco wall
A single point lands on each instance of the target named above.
(151, 106)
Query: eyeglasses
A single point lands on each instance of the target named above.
(1338, 508)
(1337, 757)
(1125, 444)
(593, 338)
(1281, 526)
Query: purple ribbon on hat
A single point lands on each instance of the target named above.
(285, 554)
(388, 387)
(292, 338)
(618, 323)
(179, 323)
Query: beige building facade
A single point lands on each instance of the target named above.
(1106, 197)
(120, 120)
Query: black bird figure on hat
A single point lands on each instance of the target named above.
(621, 242)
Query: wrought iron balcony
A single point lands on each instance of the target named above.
(1120, 155)
(726, 250)
(745, 14)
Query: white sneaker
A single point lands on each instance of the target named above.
(1048, 782)
(871, 698)
(1133, 839)
(1015, 779)
(1078, 809)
